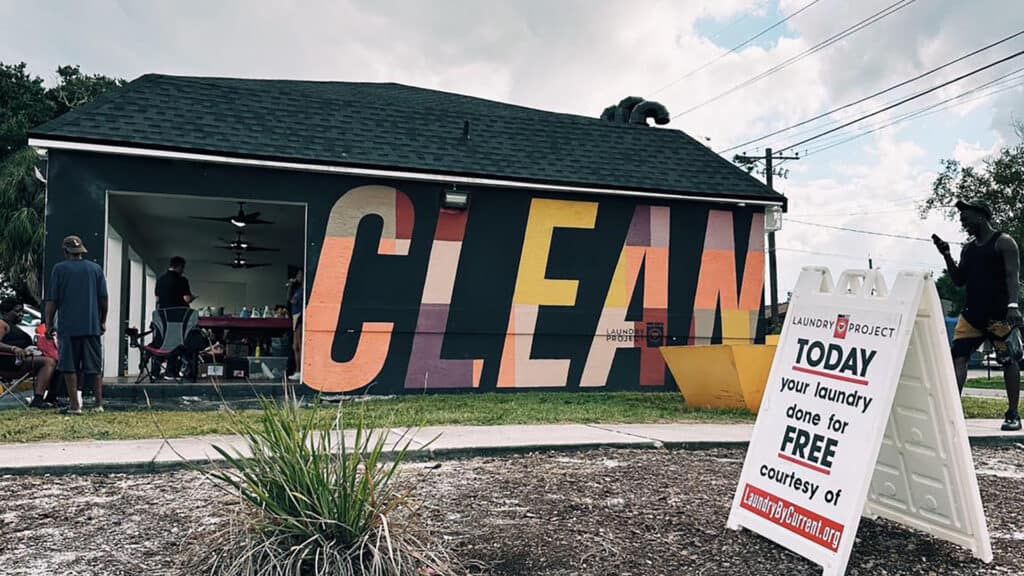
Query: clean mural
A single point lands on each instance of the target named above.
(520, 291)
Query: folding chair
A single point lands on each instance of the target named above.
(170, 328)
(11, 381)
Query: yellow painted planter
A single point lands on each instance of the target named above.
(721, 376)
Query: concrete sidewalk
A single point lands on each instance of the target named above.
(440, 441)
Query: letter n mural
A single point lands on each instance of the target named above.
(717, 287)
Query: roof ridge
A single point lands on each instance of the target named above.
(597, 120)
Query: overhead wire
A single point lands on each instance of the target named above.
(874, 18)
(935, 108)
(1003, 79)
(736, 47)
(833, 137)
(876, 94)
(901, 102)
(858, 231)
(854, 257)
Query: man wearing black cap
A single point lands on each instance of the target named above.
(77, 296)
(989, 267)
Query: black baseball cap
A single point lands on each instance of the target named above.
(74, 245)
(977, 205)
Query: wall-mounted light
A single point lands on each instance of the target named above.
(773, 219)
(455, 199)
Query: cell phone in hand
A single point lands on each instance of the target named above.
(941, 244)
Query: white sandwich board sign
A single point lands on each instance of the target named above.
(861, 415)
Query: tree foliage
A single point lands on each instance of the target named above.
(25, 103)
(999, 181)
(956, 295)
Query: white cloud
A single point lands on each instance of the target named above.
(579, 56)
(971, 154)
(877, 195)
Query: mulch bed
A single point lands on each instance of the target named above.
(596, 512)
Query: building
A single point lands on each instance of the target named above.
(449, 242)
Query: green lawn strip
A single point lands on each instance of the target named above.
(975, 407)
(988, 383)
(415, 411)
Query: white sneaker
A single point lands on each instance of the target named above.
(295, 377)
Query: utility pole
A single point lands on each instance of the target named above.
(773, 273)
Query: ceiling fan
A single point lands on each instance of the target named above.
(240, 262)
(239, 220)
(240, 244)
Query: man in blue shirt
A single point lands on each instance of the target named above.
(78, 297)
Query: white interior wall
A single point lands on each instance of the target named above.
(233, 288)
(136, 305)
(113, 266)
(150, 296)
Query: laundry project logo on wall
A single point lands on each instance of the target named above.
(819, 408)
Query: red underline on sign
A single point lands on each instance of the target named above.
(799, 462)
(830, 375)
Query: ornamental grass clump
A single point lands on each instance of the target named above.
(310, 503)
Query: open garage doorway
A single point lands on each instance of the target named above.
(240, 257)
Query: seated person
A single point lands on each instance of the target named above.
(15, 358)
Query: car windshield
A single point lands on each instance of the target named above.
(31, 318)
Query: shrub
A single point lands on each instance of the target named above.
(309, 503)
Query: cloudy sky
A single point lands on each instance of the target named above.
(579, 56)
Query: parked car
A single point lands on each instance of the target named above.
(990, 361)
(30, 321)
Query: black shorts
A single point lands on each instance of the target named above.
(968, 337)
(10, 364)
(81, 354)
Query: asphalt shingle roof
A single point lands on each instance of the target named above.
(399, 127)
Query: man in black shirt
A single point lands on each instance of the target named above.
(989, 268)
(172, 289)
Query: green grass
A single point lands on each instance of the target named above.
(432, 410)
(988, 383)
(975, 407)
(427, 410)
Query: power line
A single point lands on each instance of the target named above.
(736, 47)
(903, 101)
(854, 257)
(914, 115)
(858, 209)
(876, 94)
(854, 214)
(877, 16)
(731, 25)
(918, 112)
(869, 232)
(926, 113)
(885, 121)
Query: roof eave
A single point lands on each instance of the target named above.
(58, 142)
